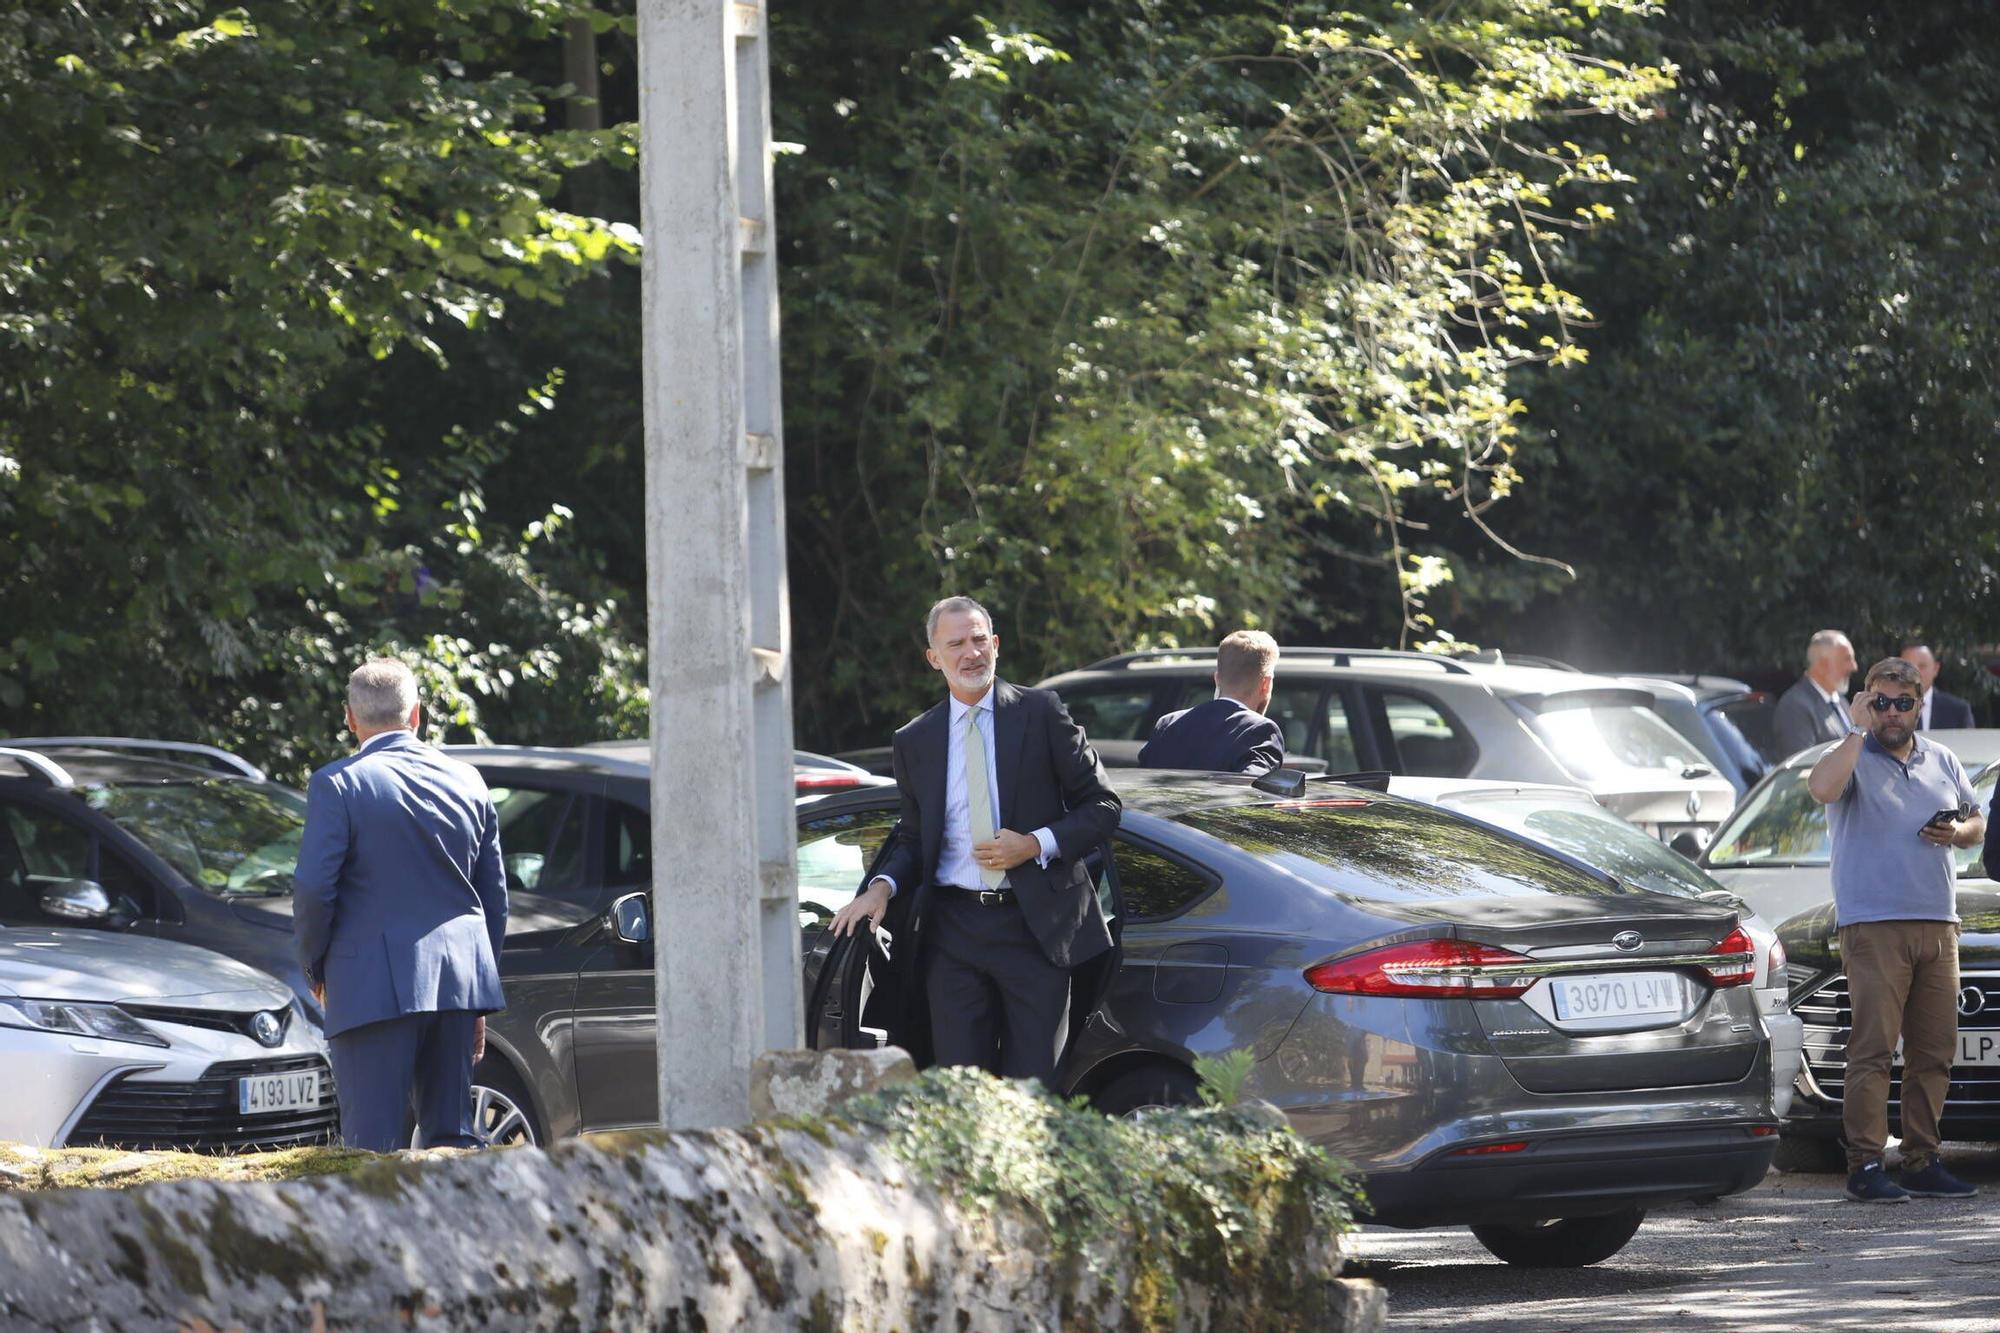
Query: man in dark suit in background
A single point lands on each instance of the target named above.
(1815, 708)
(1229, 733)
(399, 907)
(1000, 916)
(1942, 711)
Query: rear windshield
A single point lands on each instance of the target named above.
(1609, 741)
(229, 838)
(1395, 851)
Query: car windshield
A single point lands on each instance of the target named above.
(229, 838)
(1611, 740)
(1781, 824)
(1597, 837)
(1394, 850)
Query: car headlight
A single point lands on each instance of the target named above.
(78, 1020)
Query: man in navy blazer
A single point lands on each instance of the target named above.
(399, 908)
(1229, 733)
(1942, 710)
(999, 916)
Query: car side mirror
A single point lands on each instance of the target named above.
(1688, 843)
(74, 899)
(631, 920)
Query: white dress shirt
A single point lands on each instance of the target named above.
(369, 744)
(955, 864)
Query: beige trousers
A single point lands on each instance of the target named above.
(1902, 982)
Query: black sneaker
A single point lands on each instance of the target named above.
(1933, 1182)
(1871, 1184)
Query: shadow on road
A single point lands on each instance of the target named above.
(1792, 1254)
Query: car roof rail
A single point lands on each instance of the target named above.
(1495, 657)
(41, 766)
(236, 764)
(1338, 656)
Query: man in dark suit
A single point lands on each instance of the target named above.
(1815, 708)
(1942, 710)
(1229, 733)
(399, 907)
(999, 916)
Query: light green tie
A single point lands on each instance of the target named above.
(978, 797)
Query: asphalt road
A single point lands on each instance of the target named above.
(1792, 1254)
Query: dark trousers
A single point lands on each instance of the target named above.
(418, 1064)
(996, 1000)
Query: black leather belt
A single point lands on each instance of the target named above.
(983, 897)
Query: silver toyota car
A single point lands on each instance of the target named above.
(118, 1041)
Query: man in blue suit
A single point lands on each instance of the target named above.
(1229, 733)
(399, 908)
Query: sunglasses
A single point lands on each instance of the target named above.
(1882, 703)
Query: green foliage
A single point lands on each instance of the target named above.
(1224, 1076)
(1119, 317)
(210, 218)
(1790, 413)
(1205, 1192)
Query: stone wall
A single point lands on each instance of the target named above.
(805, 1224)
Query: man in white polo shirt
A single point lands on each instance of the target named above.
(1897, 803)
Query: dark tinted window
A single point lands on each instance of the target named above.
(1111, 711)
(1422, 738)
(36, 847)
(628, 831)
(1395, 851)
(541, 839)
(1154, 885)
(227, 837)
(1336, 744)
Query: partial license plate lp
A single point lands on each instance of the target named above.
(267, 1094)
(1617, 995)
(1978, 1048)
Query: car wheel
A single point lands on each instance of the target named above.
(1801, 1155)
(1568, 1242)
(502, 1114)
(1148, 1086)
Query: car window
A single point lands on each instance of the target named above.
(227, 838)
(1970, 862)
(1393, 850)
(628, 833)
(1780, 824)
(1294, 707)
(541, 839)
(1597, 837)
(834, 853)
(1751, 717)
(1422, 739)
(1114, 711)
(1154, 885)
(36, 844)
(1607, 741)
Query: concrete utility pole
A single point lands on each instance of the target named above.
(725, 891)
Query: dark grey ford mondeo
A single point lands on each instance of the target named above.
(1493, 1034)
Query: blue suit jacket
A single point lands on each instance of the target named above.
(1220, 736)
(1948, 711)
(399, 900)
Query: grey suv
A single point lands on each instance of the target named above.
(1428, 716)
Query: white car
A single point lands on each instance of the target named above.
(1570, 820)
(120, 1041)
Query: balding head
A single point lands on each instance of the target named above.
(1830, 659)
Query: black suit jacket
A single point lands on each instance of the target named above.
(1049, 778)
(1220, 736)
(1803, 718)
(1949, 712)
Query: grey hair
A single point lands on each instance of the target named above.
(381, 693)
(1824, 642)
(946, 607)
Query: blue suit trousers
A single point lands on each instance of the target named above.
(419, 1063)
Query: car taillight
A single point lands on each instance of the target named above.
(1778, 958)
(1733, 961)
(824, 781)
(1433, 969)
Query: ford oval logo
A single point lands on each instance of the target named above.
(267, 1028)
(1971, 1000)
(1628, 940)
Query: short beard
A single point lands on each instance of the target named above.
(975, 682)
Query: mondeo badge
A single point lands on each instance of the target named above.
(266, 1027)
(1628, 940)
(1971, 1000)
